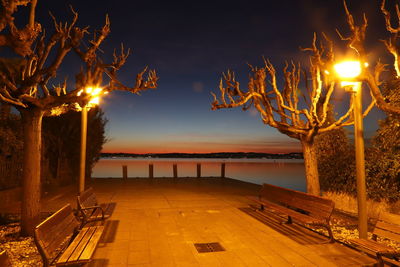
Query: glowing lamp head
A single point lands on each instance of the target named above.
(94, 101)
(348, 69)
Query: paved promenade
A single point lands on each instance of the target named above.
(157, 224)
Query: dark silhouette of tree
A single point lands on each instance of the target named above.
(10, 148)
(61, 137)
(25, 83)
(383, 165)
(336, 160)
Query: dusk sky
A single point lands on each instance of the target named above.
(190, 44)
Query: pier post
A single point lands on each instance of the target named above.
(124, 172)
(151, 171)
(198, 170)
(222, 170)
(175, 171)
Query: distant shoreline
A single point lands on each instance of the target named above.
(233, 155)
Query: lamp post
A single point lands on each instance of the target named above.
(349, 71)
(95, 93)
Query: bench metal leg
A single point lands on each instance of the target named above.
(380, 260)
(262, 208)
(289, 220)
(331, 239)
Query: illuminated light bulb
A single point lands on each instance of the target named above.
(94, 101)
(89, 90)
(327, 72)
(366, 64)
(348, 69)
(96, 91)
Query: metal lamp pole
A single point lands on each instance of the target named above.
(360, 162)
(82, 165)
(351, 70)
(95, 93)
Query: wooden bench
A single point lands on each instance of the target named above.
(60, 240)
(298, 206)
(387, 227)
(4, 260)
(90, 210)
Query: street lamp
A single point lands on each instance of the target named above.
(95, 99)
(349, 71)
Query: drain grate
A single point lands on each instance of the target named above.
(208, 247)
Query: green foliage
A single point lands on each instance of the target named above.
(61, 146)
(61, 137)
(336, 163)
(383, 166)
(11, 146)
(336, 156)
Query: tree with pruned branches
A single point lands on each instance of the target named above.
(24, 83)
(299, 106)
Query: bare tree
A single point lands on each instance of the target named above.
(373, 76)
(299, 108)
(280, 108)
(27, 89)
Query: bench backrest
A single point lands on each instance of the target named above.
(87, 198)
(388, 226)
(315, 206)
(54, 233)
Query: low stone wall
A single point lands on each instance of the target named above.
(9, 196)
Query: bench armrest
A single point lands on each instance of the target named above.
(86, 218)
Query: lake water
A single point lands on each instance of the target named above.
(287, 173)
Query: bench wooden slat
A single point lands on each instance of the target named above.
(54, 233)
(74, 247)
(318, 206)
(387, 234)
(288, 212)
(387, 226)
(373, 246)
(387, 230)
(81, 246)
(60, 233)
(89, 250)
(302, 207)
(87, 201)
(59, 241)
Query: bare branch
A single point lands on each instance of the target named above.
(386, 15)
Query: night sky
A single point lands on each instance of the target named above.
(190, 44)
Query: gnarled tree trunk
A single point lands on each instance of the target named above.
(311, 166)
(30, 210)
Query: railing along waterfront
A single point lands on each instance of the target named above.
(174, 171)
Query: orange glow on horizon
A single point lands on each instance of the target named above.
(201, 151)
(206, 146)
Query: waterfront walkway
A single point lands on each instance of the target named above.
(157, 224)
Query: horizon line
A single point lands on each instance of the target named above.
(200, 152)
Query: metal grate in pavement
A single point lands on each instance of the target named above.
(208, 247)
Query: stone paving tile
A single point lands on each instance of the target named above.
(139, 257)
(156, 224)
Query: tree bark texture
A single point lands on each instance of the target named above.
(311, 167)
(30, 209)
